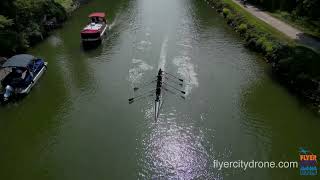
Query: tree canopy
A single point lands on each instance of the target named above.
(308, 8)
(22, 22)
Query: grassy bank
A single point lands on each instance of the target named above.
(259, 24)
(295, 66)
(302, 14)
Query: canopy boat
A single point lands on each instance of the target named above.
(24, 72)
(95, 29)
(2, 60)
(161, 85)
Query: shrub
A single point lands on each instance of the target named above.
(267, 46)
(225, 12)
(231, 18)
(243, 28)
(261, 41)
(239, 19)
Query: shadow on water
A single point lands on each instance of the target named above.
(92, 50)
(90, 46)
(279, 123)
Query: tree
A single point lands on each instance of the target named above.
(309, 8)
(22, 22)
(5, 22)
(271, 5)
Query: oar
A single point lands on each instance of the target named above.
(140, 96)
(174, 76)
(144, 85)
(178, 83)
(166, 89)
(183, 92)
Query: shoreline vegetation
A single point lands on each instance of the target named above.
(301, 14)
(307, 25)
(23, 23)
(294, 65)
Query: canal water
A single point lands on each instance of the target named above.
(77, 122)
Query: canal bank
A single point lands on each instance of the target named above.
(293, 64)
(77, 123)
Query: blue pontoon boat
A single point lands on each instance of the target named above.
(24, 72)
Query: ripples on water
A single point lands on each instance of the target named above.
(187, 72)
(174, 150)
(171, 148)
(137, 71)
(178, 145)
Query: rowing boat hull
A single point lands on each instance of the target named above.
(157, 108)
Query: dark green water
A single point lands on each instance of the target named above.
(77, 123)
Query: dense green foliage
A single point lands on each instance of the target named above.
(276, 4)
(296, 66)
(65, 3)
(303, 14)
(23, 22)
(305, 24)
(307, 8)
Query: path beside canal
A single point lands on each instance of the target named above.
(281, 26)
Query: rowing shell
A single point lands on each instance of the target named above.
(157, 107)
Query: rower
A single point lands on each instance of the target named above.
(159, 85)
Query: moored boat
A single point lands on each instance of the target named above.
(95, 29)
(24, 72)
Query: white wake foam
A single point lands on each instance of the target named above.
(187, 72)
(163, 53)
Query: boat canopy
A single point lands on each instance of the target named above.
(97, 14)
(21, 60)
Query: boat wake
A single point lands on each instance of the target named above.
(186, 70)
(163, 53)
(136, 73)
(114, 22)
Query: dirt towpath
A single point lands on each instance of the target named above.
(281, 26)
